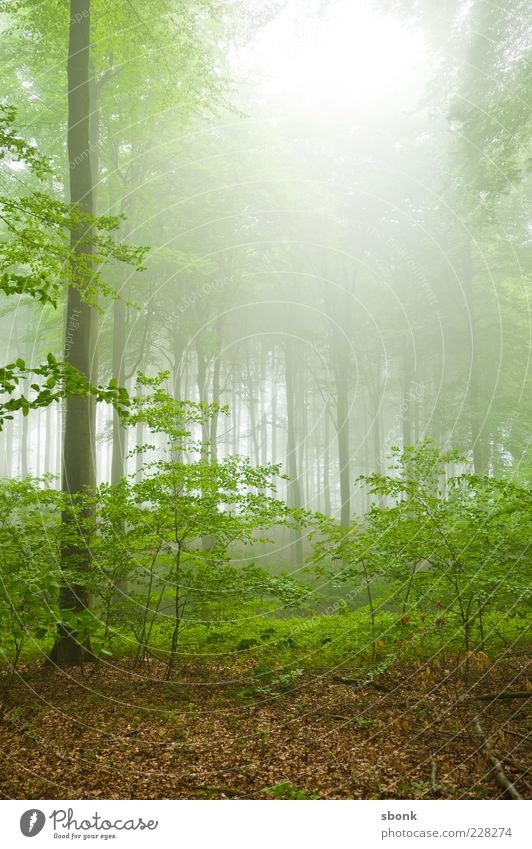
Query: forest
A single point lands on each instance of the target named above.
(265, 505)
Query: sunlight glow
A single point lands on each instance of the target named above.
(353, 58)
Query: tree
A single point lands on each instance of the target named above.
(151, 531)
(451, 547)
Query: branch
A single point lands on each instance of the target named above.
(488, 697)
(502, 779)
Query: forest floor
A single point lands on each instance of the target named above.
(411, 732)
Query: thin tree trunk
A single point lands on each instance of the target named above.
(213, 436)
(24, 437)
(118, 461)
(235, 410)
(293, 490)
(406, 407)
(139, 440)
(340, 332)
(38, 452)
(202, 390)
(478, 436)
(48, 437)
(9, 448)
(274, 407)
(342, 422)
(326, 469)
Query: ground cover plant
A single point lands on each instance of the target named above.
(265, 505)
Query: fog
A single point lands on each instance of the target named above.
(265, 510)
(335, 198)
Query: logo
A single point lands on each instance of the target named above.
(32, 822)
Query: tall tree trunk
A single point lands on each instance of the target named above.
(479, 441)
(7, 465)
(263, 440)
(326, 464)
(253, 445)
(48, 437)
(274, 407)
(207, 540)
(301, 401)
(406, 406)
(202, 390)
(213, 435)
(342, 425)
(118, 461)
(139, 440)
(293, 489)
(340, 333)
(24, 437)
(236, 416)
(119, 443)
(79, 460)
(38, 451)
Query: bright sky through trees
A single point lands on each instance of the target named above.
(265, 468)
(351, 56)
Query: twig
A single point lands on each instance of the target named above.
(488, 697)
(361, 682)
(449, 734)
(211, 788)
(434, 776)
(509, 759)
(500, 775)
(517, 734)
(521, 768)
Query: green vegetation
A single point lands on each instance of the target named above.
(265, 395)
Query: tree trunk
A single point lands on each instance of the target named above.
(342, 424)
(24, 438)
(139, 440)
(202, 390)
(48, 436)
(293, 488)
(235, 413)
(326, 464)
(79, 460)
(478, 435)
(213, 436)
(340, 329)
(274, 407)
(406, 407)
(7, 437)
(118, 461)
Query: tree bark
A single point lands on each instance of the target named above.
(118, 461)
(79, 460)
(24, 437)
(342, 423)
(293, 488)
(213, 435)
(478, 434)
(326, 463)
(202, 390)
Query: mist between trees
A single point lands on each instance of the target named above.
(265, 320)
